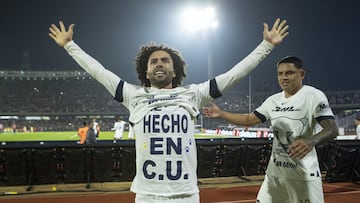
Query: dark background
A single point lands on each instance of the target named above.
(325, 33)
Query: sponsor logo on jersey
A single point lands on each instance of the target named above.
(285, 164)
(151, 99)
(285, 109)
(323, 106)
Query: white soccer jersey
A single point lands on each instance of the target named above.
(293, 118)
(131, 133)
(119, 129)
(163, 121)
(95, 125)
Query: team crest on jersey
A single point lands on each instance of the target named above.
(322, 107)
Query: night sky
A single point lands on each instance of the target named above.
(324, 33)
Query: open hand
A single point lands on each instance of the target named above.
(61, 36)
(277, 33)
(212, 111)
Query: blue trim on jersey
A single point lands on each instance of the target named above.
(260, 116)
(119, 92)
(321, 118)
(214, 90)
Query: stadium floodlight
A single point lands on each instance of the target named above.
(200, 19)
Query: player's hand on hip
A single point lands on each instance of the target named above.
(60, 35)
(299, 149)
(277, 33)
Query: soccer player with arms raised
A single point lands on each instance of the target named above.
(163, 113)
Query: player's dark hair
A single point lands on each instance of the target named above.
(143, 56)
(298, 63)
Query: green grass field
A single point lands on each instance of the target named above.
(51, 136)
(65, 136)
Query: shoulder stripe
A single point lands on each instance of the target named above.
(214, 90)
(260, 116)
(119, 92)
(321, 118)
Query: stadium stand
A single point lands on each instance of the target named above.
(59, 100)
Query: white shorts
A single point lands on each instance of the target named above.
(275, 190)
(194, 198)
(118, 135)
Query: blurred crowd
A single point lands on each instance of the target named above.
(66, 102)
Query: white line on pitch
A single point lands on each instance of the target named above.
(237, 201)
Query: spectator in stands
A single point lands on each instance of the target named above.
(163, 113)
(357, 124)
(293, 173)
(82, 132)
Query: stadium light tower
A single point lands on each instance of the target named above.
(200, 19)
(197, 20)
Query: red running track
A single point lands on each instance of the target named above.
(334, 193)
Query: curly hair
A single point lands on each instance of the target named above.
(143, 56)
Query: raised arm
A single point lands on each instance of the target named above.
(277, 33)
(60, 35)
(213, 111)
(64, 38)
(271, 38)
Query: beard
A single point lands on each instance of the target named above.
(161, 81)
